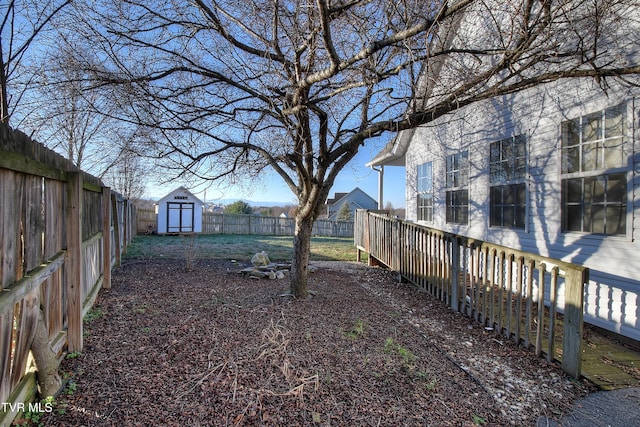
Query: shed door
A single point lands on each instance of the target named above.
(179, 217)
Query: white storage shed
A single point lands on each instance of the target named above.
(180, 212)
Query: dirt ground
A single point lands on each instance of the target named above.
(211, 347)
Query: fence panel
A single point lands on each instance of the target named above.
(147, 221)
(92, 270)
(522, 296)
(51, 260)
(215, 223)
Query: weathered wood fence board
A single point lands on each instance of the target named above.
(523, 296)
(53, 223)
(214, 223)
(147, 221)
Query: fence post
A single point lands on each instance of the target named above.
(73, 261)
(116, 228)
(106, 237)
(125, 224)
(573, 321)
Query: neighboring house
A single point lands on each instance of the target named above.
(355, 199)
(215, 208)
(180, 212)
(553, 170)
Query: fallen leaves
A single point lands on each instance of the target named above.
(213, 347)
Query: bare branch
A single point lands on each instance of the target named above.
(225, 88)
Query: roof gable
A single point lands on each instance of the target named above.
(356, 196)
(180, 194)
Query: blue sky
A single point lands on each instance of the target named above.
(272, 189)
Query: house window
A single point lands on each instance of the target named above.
(425, 191)
(594, 167)
(457, 195)
(508, 192)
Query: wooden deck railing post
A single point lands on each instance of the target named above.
(553, 299)
(73, 262)
(455, 274)
(542, 270)
(573, 321)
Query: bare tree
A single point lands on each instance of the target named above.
(68, 117)
(127, 176)
(230, 88)
(126, 170)
(21, 23)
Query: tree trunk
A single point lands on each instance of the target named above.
(47, 361)
(4, 102)
(300, 260)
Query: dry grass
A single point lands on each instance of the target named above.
(238, 247)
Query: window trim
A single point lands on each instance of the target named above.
(426, 191)
(523, 180)
(463, 178)
(626, 170)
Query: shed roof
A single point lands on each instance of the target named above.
(180, 191)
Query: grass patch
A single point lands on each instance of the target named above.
(240, 247)
(73, 355)
(141, 309)
(357, 331)
(93, 314)
(404, 353)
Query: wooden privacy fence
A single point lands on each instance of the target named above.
(215, 223)
(61, 231)
(534, 300)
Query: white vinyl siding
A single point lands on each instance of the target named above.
(612, 299)
(601, 230)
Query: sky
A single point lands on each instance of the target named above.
(272, 188)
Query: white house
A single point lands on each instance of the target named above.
(553, 170)
(180, 212)
(355, 199)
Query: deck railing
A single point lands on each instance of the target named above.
(534, 300)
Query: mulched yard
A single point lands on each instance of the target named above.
(169, 347)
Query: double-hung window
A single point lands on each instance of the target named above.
(457, 182)
(594, 173)
(425, 191)
(508, 190)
